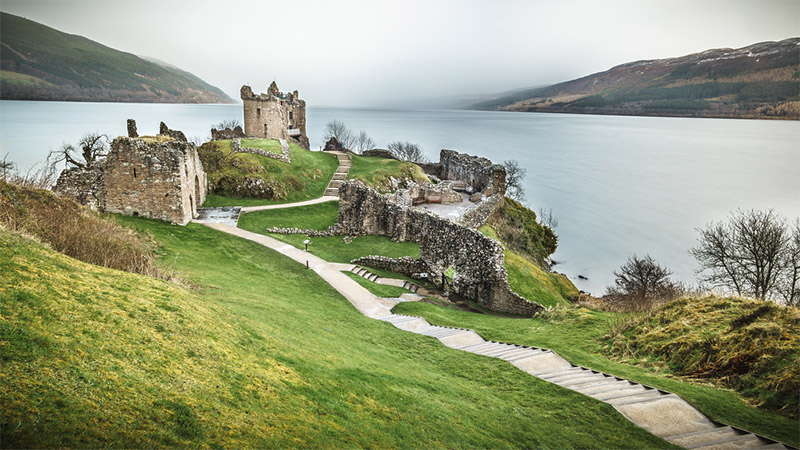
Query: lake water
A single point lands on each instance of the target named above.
(618, 185)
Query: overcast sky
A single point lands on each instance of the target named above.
(362, 53)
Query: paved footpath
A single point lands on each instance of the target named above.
(662, 413)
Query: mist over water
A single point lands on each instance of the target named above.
(618, 185)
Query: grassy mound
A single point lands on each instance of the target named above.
(375, 171)
(245, 179)
(264, 354)
(516, 226)
(75, 230)
(578, 335)
(750, 346)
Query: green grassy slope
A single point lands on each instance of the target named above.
(261, 353)
(375, 171)
(231, 176)
(750, 346)
(68, 67)
(577, 334)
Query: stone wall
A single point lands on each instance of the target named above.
(273, 114)
(284, 155)
(477, 214)
(227, 133)
(477, 261)
(484, 178)
(151, 177)
(405, 265)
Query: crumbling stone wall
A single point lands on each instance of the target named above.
(151, 177)
(274, 115)
(227, 133)
(483, 178)
(405, 265)
(284, 155)
(477, 261)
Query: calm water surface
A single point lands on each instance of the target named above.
(618, 185)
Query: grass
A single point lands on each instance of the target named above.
(531, 281)
(576, 334)
(270, 145)
(311, 217)
(320, 217)
(261, 353)
(234, 175)
(375, 171)
(380, 290)
(747, 345)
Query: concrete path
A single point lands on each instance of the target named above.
(323, 199)
(662, 413)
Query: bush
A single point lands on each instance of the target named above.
(75, 230)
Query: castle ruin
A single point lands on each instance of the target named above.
(159, 177)
(274, 115)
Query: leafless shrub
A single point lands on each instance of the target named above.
(6, 167)
(547, 218)
(407, 151)
(338, 130)
(755, 253)
(229, 123)
(362, 142)
(640, 284)
(514, 176)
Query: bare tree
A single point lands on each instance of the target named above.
(641, 282)
(752, 254)
(228, 123)
(407, 151)
(92, 146)
(338, 130)
(547, 218)
(363, 142)
(514, 176)
(789, 284)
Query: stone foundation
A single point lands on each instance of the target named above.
(227, 133)
(284, 156)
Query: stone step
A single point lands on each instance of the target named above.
(500, 353)
(331, 192)
(518, 353)
(335, 183)
(473, 348)
(602, 380)
(496, 348)
(534, 352)
(397, 318)
(411, 297)
(558, 372)
(583, 380)
(605, 386)
(702, 437)
(578, 371)
(634, 389)
(744, 440)
(440, 332)
(646, 396)
(339, 176)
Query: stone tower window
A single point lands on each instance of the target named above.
(266, 128)
(290, 115)
(258, 112)
(134, 172)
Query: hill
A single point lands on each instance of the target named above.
(40, 63)
(759, 81)
(260, 352)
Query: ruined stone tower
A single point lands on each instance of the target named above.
(274, 115)
(160, 177)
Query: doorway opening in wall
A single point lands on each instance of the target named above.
(265, 130)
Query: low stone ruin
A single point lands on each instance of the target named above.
(284, 155)
(333, 145)
(157, 177)
(227, 133)
(477, 261)
(481, 177)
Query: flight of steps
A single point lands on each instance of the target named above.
(340, 176)
(362, 272)
(660, 412)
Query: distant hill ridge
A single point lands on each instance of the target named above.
(40, 63)
(758, 81)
